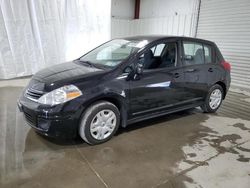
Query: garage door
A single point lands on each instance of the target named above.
(227, 22)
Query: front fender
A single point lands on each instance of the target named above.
(117, 98)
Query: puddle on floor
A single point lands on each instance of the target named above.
(246, 100)
(221, 155)
(241, 91)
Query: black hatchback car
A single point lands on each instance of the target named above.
(124, 81)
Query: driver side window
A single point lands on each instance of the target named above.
(162, 55)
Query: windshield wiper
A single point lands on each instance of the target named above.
(96, 65)
(87, 62)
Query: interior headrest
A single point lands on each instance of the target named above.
(199, 52)
(148, 54)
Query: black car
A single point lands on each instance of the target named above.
(124, 81)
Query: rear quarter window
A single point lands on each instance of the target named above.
(219, 57)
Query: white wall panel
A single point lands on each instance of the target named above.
(172, 25)
(227, 22)
(123, 9)
(165, 8)
(120, 27)
(165, 17)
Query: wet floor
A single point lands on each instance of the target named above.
(185, 149)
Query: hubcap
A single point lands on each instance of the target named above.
(103, 124)
(215, 99)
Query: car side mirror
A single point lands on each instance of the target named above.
(128, 69)
(134, 73)
(139, 69)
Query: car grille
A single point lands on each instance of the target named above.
(33, 95)
(30, 117)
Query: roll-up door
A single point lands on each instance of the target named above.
(227, 22)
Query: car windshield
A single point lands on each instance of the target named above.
(113, 52)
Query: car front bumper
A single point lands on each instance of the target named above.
(51, 122)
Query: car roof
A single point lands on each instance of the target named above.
(152, 38)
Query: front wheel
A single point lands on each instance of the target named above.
(99, 123)
(213, 99)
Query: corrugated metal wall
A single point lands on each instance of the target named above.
(171, 25)
(227, 22)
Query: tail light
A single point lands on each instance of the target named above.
(226, 65)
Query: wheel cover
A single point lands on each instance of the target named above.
(103, 124)
(215, 99)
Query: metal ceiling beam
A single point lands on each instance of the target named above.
(137, 9)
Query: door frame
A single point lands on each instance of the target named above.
(178, 65)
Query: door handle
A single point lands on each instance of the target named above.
(190, 70)
(176, 75)
(210, 70)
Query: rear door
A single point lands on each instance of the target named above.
(198, 67)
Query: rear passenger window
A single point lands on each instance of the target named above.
(193, 53)
(208, 54)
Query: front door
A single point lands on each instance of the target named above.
(161, 84)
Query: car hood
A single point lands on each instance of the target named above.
(66, 72)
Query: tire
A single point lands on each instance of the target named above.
(99, 123)
(207, 107)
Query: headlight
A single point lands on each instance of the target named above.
(60, 95)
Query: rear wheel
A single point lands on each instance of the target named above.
(213, 99)
(99, 123)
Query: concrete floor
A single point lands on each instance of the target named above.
(186, 149)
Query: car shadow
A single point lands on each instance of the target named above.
(135, 126)
(157, 120)
(62, 141)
